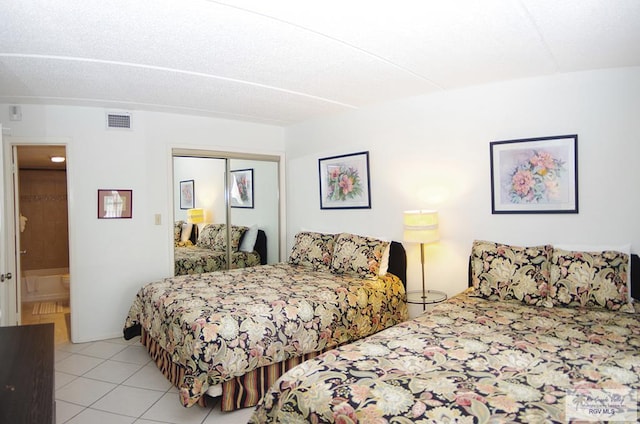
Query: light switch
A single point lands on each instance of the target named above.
(158, 219)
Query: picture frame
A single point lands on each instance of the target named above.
(115, 204)
(242, 188)
(187, 194)
(344, 181)
(534, 175)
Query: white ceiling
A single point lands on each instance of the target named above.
(285, 61)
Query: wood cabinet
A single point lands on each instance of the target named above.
(27, 393)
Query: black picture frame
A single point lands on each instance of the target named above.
(242, 188)
(187, 194)
(534, 175)
(344, 181)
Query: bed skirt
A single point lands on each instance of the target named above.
(237, 393)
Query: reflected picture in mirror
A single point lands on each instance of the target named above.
(187, 197)
(242, 188)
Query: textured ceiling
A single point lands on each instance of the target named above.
(282, 62)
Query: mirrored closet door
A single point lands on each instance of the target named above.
(213, 189)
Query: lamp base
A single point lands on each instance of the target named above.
(428, 297)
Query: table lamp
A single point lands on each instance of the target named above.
(195, 216)
(421, 226)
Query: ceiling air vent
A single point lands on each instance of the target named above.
(119, 121)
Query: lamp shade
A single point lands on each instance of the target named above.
(195, 216)
(421, 226)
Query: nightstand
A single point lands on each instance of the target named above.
(430, 297)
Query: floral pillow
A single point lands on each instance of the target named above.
(177, 230)
(504, 272)
(313, 250)
(220, 242)
(590, 279)
(207, 236)
(358, 255)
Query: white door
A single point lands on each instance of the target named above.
(3, 243)
(7, 301)
(9, 294)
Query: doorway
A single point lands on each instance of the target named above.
(43, 260)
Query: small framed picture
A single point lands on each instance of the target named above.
(187, 194)
(242, 188)
(113, 204)
(535, 175)
(344, 181)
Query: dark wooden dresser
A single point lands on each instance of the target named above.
(27, 393)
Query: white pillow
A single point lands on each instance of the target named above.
(384, 264)
(185, 234)
(624, 248)
(249, 239)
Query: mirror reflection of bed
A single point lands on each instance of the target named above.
(206, 250)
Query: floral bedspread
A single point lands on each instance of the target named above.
(469, 360)
(221, 325)
(196, 260)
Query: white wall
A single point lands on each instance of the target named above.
(433, 152)
(111, 259)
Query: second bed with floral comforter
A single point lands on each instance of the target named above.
(539, 329)
(468, 360)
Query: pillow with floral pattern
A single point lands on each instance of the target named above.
(358, 255)
(208, 235)
(313, 250)
(177, 230)
(590, 279)
(220, 242)
(504, 272)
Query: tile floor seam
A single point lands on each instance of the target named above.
(68, 382)
(89, 370)
(152, 405)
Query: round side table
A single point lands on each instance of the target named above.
(427, 298)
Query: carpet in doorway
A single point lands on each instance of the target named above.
(43, 308)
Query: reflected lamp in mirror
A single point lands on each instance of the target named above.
(421, 226)
(195, 216)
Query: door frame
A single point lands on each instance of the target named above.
(10, 219)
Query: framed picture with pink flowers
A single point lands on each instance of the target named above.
(535, 175)
(344, 181)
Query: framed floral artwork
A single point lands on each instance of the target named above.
(187, 194)
(535, 175)
(344, 181)
(242, 188)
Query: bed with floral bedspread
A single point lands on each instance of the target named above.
(218, 326)
(488, 354)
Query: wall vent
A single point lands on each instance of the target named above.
(119, 121)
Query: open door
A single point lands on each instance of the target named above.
(3, 240)
(9, 313)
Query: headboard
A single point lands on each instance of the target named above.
(261, 246)
(398, 261)
(635, 276)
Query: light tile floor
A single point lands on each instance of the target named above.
(115, 381)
